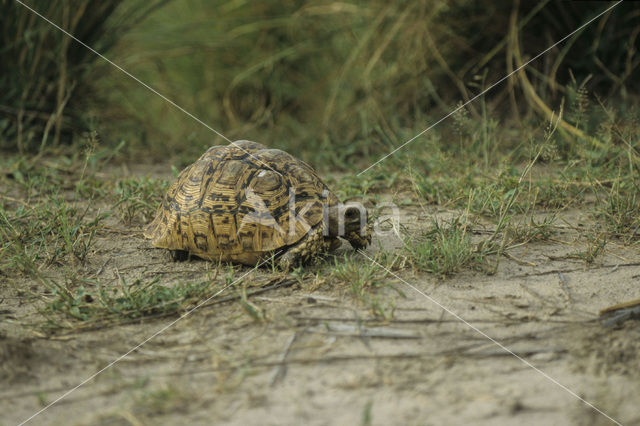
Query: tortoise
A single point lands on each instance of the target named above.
(245, 202)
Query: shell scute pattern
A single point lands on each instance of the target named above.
(234, 204)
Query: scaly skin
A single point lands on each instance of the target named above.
(309, 247)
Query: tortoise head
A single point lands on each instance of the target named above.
(348, 221)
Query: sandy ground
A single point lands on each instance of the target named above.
(322, 358)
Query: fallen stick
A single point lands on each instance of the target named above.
(623, 305)
(281, 370)
(359, 331)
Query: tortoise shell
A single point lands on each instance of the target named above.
(238, 202)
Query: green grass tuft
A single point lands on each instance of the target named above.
(366, 282)
(447, 248)
(137, 299)
(139, 198)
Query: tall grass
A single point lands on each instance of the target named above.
(45, 77)
(338, 82)
(332, 81)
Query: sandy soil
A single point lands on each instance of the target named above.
(322, 358)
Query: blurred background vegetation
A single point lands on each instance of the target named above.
(333, 82)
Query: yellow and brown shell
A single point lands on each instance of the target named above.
(235, 204)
